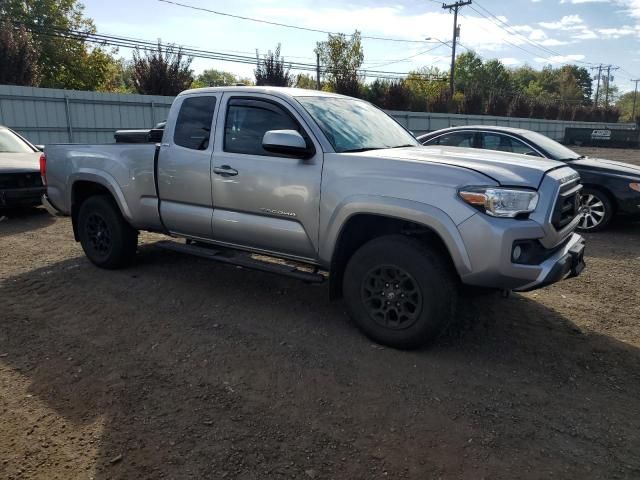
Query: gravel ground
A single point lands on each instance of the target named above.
(179, 368)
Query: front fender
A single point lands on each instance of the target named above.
(419, 213)
(102, 178)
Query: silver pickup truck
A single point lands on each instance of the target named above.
(326, 184)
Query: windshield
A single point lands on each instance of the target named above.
(11, 143)
(555, 150)
(353, 125)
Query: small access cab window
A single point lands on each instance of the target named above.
(193, 126)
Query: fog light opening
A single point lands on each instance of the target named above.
(517, 253)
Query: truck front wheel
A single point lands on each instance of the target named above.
(106, 238)
(398, 291)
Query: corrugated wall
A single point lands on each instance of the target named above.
(46, 115)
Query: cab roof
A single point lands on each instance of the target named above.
(278, 91)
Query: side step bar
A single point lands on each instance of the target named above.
(241, 259)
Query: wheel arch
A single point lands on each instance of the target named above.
(89, 185)
(363, 226)
(606, 191)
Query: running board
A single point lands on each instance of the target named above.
(241, 259)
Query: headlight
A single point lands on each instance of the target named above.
(635, 186)
(500, 202)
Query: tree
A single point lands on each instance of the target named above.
(65, 59)
(341, 60)
(271, 70)
(217, 78)
(625, 105)
(18, 56)
(161, 71)
(583, 80)
(469, 72)
(304, 80)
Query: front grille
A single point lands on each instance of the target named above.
(20, 180)
(567, 205)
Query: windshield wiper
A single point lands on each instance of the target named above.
(362, 149)
(403, 146)
(574, 158)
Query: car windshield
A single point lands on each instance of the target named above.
(11, 143)
(555, 150)
(355, 126)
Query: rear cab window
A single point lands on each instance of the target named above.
(193, 125)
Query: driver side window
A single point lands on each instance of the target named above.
(248, 120)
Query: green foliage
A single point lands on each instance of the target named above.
(341, 59)
(216, 78)
(304, 80)
(163, 71)
(63, 61)
(18, 56)
(625, 105)
(270, 70)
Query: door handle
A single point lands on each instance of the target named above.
(225, 171)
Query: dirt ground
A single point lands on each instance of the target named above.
(180, 368)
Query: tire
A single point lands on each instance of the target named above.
(426, 281)
(596, 210)
(106, 238)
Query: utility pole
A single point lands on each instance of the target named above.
(598, 86)
(635, 96)
(456, 33)
(317, 71)
(606, 92)
(608, 84)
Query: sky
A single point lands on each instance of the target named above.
(518, 32)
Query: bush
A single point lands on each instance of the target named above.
(497, 104)
(519, 107)
(439, 103)
(551, 111)
(565, 112)
(538, 109)
(398, 96)
(472, 103)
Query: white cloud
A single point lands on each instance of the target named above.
(576, 2)
(585, 34)
(568, 22)
(618, 32)
(510, 61)
(560, 58)
(479, 33)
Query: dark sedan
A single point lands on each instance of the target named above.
(20, 181)
(610, 188)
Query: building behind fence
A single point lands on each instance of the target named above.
(46, 115)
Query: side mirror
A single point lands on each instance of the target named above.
(288, 142)
(40, 148)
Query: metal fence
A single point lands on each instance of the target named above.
(46, 115)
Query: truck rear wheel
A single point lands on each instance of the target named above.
(106, 238)
(399, 292)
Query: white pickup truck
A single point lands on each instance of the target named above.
(334, 184)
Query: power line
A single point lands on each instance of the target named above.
(285, 25)
(125, 42)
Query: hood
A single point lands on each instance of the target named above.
(19, 162)
(506, 168)
(605, 166)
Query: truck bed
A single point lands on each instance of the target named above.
(126, 170)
